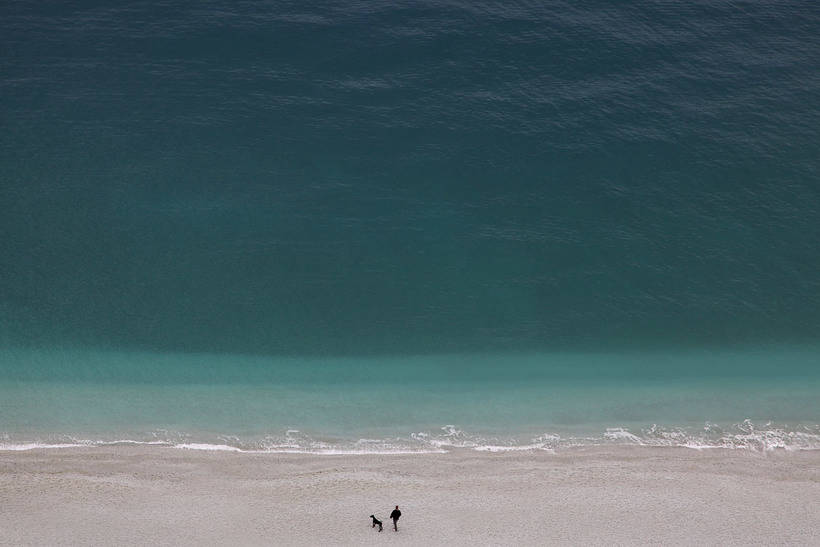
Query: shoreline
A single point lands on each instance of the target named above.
(444, 449)
(138, 495)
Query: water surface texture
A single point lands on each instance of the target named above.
(515, 221)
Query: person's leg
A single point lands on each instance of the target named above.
(396, 525)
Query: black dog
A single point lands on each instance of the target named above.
(376, 522)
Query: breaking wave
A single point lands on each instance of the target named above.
(745, 435)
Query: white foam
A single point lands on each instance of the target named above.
(621, 434)
(745, 435)
(34, 446)
(513, 448)
(205, 446)
(130, 442)
(291, 450)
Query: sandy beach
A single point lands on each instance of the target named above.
(166, 496)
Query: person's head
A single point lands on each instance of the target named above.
(397, 507)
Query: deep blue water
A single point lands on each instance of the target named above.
(382, 180)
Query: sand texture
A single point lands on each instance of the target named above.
(166, 496)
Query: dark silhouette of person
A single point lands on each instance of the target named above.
(395, 516)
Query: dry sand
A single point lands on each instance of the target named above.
(166, 496)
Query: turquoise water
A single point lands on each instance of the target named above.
(410, 225)
(758, 399)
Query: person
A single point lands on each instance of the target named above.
(395, 516)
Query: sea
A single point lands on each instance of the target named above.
(411, 226)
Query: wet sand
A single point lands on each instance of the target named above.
(164, 496)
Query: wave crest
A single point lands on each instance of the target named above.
(745, 435)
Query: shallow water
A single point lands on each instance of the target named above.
(757, 399)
